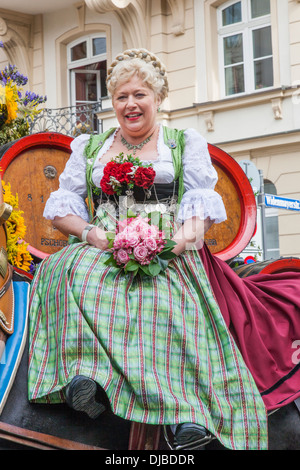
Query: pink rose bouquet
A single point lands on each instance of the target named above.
(138, 246)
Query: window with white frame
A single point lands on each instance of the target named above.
(245, 46)
(87, 64)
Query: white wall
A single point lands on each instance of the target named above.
(57, 23)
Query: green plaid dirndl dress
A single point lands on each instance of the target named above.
(159, 347)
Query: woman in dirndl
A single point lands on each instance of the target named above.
(157, 346)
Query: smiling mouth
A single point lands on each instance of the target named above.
(133, 116)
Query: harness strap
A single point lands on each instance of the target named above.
(39, 440)
(7, 280)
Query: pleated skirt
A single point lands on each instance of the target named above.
(159, 347)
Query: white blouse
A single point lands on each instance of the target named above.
(199, 178)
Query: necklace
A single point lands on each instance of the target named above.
(135, 147)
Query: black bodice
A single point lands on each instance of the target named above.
(158, 192)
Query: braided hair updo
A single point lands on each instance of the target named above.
(143, 63)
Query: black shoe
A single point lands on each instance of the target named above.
(81, 396)
(191, 436)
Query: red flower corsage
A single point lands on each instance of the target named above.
(126, 172)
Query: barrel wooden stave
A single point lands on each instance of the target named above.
(229, 238)
(220, 236)
(32, 165)
(34, 188)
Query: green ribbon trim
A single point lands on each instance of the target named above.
(174, 139)
(91, 151)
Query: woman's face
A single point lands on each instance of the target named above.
(135, 105)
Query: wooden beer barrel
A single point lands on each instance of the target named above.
(271, 266)
(229, 238)
(32, 166)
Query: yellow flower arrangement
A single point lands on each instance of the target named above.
(16, 229)
(17, 250)
(9, 99)
(17, 110)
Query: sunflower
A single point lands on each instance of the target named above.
(19, 256)
(17, 251)
(8, 197)
(3, 107)
(15, 225)
(11, 96)
(9, 101)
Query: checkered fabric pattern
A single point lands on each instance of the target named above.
(159, 346)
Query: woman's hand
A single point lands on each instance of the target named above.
(97, 237)
(191, 234)
(74, 225)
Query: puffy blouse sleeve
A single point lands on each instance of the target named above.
(70, 197)
(199, 178)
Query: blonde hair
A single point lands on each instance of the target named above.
(143, 63)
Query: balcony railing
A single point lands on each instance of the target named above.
(71, 120)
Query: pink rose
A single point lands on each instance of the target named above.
(140, 253)
(122, 224)
(145, 231)
(119, 241)
(122, 256)
(150, 243)
(139, 224)
(153, 231)
(132, 239)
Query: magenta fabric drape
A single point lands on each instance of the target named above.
(262, 312)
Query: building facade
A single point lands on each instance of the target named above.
(233, 68)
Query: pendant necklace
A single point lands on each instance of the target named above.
(135, 147)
